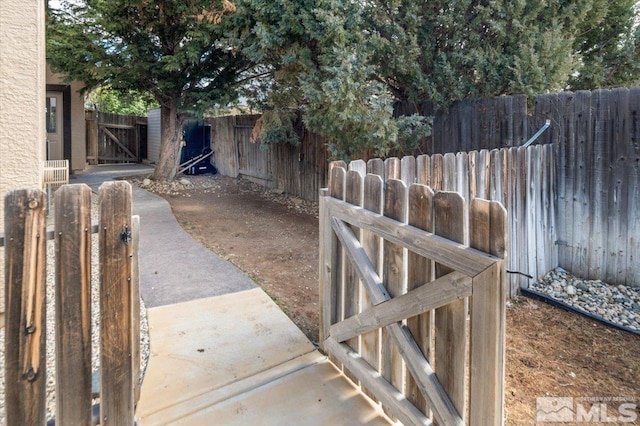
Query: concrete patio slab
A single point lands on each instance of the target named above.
(238, 359)
(206, 344)
(316, 395)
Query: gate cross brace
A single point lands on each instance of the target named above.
(443, 409)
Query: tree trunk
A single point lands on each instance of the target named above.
(171, 142)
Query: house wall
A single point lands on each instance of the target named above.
(22, 100)
(78, 130)
(154, 135)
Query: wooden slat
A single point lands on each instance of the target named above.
(444, 290)
(395, 207)
(73, 304)
(617, 223)
(333, 294)
(115, 139)
(423, 170)
(472, 158)
(116, 270)
(135, 304)
(419, 272)
(455, 256)
(449, 172)
(521, 214)
(375, 166)
(25, 322)
(372, 245)
(533, 181)
(462, 175)
(359, 166)
(395, 401)
(633, 191)
(351, 291)
(117, 126)
(451, 320)
(584, 152)
(391, 168)
(408, 170)
(600, 183)
(326, 250)
(488, 316)
(437, 171)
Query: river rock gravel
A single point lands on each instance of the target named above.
(618, 304)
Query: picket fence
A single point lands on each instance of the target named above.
(522, 179)
(401, 270)
(25, 317)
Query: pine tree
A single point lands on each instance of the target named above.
(177, 50)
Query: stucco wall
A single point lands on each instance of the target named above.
(22, 93)
(78, 132)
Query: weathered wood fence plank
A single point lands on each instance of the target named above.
(372, 245)
(73, 304)
(395, 207)
(25, 327)
(116, 271)
(451, 320)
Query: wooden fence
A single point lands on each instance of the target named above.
(115, 138)
(521, 179)
(25, 317)
(397, 285)
(297, 170)
(593, 174)
(597, 139)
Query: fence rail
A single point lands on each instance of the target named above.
(397, 285)
(25, 322)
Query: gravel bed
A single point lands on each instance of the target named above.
(617, 304)
(51, 329)
(188, 186)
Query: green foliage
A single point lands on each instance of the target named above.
(608, 43)
(278, 126)
(317, 68)
(132, 102)
(341, 65)
(176, 50)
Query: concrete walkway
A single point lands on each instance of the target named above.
(222, 352)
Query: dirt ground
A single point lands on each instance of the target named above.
(274, 239)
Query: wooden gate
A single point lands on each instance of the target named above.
(401, 271)
(25, 328)
(115, 138)
(253, 161)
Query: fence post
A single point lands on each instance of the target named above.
(116, 272)
(25, 333)
(488, 224)
(73, 304)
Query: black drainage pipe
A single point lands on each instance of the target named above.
(532, 294)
